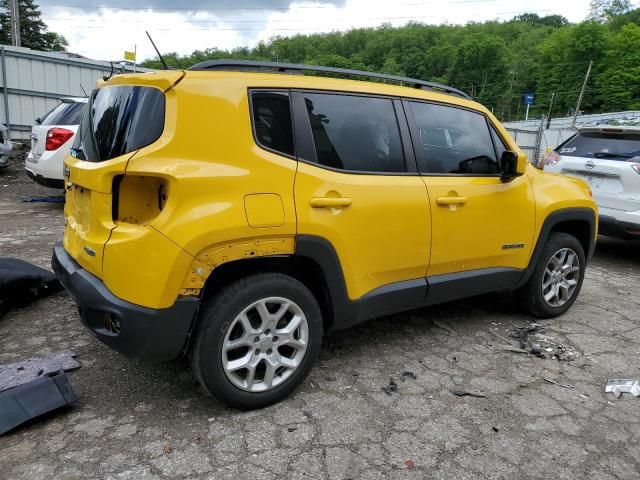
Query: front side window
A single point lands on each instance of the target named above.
(454, 140)
(272, 121)
(119, 120)
(355, 133)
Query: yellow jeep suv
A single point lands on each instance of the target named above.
(236, 211)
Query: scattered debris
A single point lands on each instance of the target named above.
(522, 333)
(513, 350)
(495, 429)
(17, 373)
(291, 429)
(461, 392)
(33, 399)
(531, 339)
(619, 386)
(391, 387)
(43, 198)
(405, 375)
(409, 464)
(168, 448)
(559, 384)
(198, 439)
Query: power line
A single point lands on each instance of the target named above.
(411, 17)
(114, 7)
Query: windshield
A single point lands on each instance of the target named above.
(119, 120)
(612, 146)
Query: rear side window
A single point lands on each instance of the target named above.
(66, 113)
(454, 140)
(355, 133)
(272, 121)
(612, 146)
(119, 120)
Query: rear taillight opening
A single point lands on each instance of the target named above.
(56, 137)
(138, 199)
(636, 167)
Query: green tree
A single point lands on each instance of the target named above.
(619, 83)
(605, 10)
(33, 31)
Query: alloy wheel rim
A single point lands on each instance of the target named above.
(265, 344)
(560, 277)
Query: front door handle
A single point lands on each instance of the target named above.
(330, 202)
(451, 200)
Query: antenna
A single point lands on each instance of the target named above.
(107, 77)
(164, 64)
(83, 90)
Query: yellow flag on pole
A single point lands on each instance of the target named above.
(131, 56)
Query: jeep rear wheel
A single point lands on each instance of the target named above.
(556, 280)
(257, 340)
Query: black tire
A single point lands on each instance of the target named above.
(530, 297)
(215, 318)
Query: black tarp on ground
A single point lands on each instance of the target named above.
(22, 283)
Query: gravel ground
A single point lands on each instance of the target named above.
(141, 421)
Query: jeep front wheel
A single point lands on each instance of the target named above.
(556, 280)
(257, 340)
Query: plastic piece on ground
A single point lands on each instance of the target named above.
(31, 400)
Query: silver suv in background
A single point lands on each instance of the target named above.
(608, 159)
(5, 146)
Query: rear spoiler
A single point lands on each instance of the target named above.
(165, 80)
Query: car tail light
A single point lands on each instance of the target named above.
(636, 167)
(551, 159)
(56, 137)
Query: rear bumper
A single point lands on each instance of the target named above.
(151, 334)
(45, 182)
(612, 227)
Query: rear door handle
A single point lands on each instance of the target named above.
(451, 200)
(330, 202)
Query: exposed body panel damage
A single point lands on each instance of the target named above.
(215, 256)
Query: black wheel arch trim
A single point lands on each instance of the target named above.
(554, 219)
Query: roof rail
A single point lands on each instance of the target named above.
(238, 65)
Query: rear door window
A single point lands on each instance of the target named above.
(119, 120)
(272, 121)
(67, 113)
(454, 141)
(610, 146)
(355, 133)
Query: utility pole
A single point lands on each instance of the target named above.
(14, 11)
(551, 102)
(584, 86)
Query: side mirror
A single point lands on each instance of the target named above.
(512, 165)
(38, 120)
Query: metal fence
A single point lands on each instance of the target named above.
(32, 82)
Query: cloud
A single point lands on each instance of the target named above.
(104, 32)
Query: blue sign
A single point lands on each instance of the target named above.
(528, 98)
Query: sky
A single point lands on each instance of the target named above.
(105, 29)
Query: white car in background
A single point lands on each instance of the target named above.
(608, 159)
(51, 139)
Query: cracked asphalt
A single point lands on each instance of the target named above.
(141, 421)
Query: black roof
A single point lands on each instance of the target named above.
(252, 65)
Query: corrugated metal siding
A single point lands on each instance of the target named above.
(36, 80)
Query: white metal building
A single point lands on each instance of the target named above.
(31, 82)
